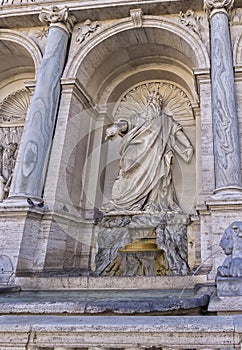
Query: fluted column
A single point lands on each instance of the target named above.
(32, 164)
(225, 121)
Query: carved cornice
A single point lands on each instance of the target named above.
(58, 17)
(213, 6)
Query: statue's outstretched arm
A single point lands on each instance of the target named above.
(118, 128)
(187, 152)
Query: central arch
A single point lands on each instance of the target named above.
(120, 43)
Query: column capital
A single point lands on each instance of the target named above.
(213, 6)
(58, 17)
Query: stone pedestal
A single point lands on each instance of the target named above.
(123, 248)
(229, 286)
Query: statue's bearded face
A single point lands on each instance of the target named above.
(154, 106)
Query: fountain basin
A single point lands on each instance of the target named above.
(106, 302)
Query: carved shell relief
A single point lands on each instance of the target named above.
(175, 101)
(15, 106)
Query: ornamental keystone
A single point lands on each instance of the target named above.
(58, 17)
(212, 6)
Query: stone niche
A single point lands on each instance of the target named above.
(143, 225)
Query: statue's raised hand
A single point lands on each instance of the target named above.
(112, 132)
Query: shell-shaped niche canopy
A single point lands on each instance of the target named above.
(175, 101)
(15, 106)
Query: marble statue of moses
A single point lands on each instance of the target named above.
(149, 142)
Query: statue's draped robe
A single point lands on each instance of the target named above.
(146, 154)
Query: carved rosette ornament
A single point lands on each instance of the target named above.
(213, 6)
(58, 17)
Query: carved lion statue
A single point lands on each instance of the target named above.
(231, 243)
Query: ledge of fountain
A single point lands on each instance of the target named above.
(107, 302)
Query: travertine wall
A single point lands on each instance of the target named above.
(77, 333)
(119, 52)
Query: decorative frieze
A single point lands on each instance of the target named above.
(86, 29)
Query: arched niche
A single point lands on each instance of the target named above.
(20, 59)
(119, 47)
(18, 50)
(176, 103)
(119, 57)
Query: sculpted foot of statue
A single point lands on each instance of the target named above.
(151, 207)
(107, 207)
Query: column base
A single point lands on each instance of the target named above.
(228, 191)
(23, 201)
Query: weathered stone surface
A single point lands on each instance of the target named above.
(103, 302)
(231, 242)
(168, 229)
(125, 332)
(229, 286)
(113, 282)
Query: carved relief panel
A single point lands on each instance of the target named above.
(13, 110)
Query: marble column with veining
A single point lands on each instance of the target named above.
(225, 121)
(31, 168)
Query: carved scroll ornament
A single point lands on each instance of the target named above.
(55, 15)
(210, 5)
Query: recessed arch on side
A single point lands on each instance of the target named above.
(25, 42)
(198, 51)
(237, 50)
